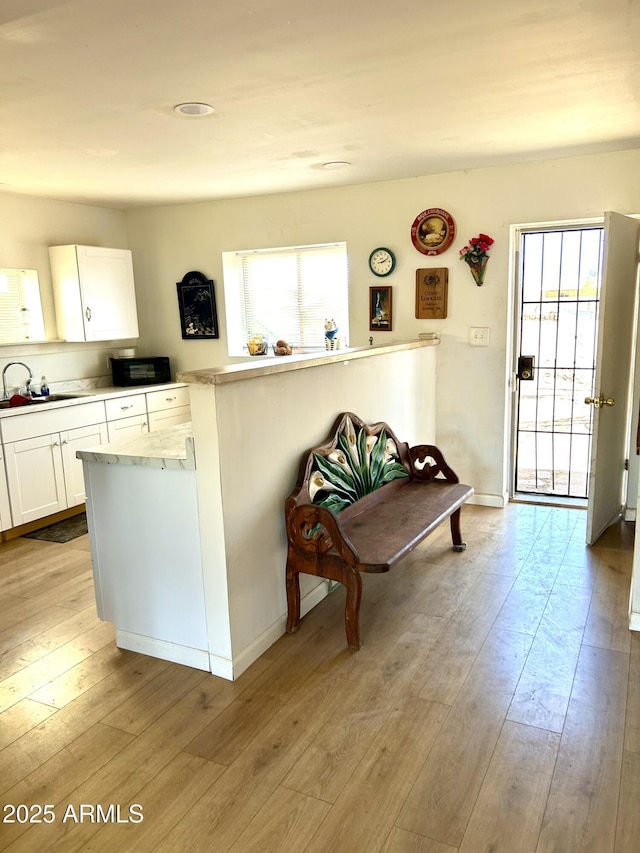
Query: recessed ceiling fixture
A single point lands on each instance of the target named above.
(336, 164)
(192, 108)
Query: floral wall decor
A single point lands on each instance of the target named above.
(476, 255)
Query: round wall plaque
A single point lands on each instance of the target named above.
(433, 231)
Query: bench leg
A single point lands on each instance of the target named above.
(353, 584)
(456, 536)
(293, 600)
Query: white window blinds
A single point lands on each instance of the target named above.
(20, 307)
(289, 293)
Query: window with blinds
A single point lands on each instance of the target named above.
(286, 294)
(20, 307)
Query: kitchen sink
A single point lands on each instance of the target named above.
(50, 398)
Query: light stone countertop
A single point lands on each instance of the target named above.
(266, 365)
(168, 448)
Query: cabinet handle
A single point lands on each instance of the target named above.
(65, 441)
(56, 444)
(170, 399)
(124, 408)
(87, 313)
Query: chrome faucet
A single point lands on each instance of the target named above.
(4, 378)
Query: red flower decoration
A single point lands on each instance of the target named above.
(477, 250)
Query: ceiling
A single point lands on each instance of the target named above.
(393, 87)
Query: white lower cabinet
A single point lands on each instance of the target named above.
(169, 418)
(40, 474)
(5, 510)
(127, 417)
(70, 442)
(124, 429)
(36, 480)
(168, 408)
(43, 473)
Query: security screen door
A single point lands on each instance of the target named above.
(559, 279)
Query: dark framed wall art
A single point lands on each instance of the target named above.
(380, 309)
(197, 304)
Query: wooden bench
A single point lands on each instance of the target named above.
(362, 502)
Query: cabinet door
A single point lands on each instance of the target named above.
(168, 407)
(108, 295)
(5, 510)
(35, 477)
(126, 428)
(169, 418)
(78, 439)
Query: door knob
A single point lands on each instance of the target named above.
(600, 402)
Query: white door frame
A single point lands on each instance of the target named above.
(514, 309)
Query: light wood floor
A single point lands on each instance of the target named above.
(495, 706)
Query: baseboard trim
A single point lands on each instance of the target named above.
(201, 659)
(634, 621)
(273, 633)
(222, 667)
(314, 597)
(197, 658)
(259, 646)
(498, 501)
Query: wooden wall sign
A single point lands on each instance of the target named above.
(431, 293)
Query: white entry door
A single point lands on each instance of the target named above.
(613, 373)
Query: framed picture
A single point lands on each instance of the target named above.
(197, 304)
(380, 309)
(433, 231)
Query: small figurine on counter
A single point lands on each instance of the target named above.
(331, 335)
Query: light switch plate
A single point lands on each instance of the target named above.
(479, 336)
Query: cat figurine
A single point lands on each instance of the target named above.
(331, 335)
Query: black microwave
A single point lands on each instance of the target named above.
(140, 371)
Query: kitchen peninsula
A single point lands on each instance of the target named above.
(188, 539)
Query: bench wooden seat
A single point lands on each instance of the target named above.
(362, 502)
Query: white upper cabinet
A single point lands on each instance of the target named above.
(94, 293)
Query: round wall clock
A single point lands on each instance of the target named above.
(433, 231)
(382, 261)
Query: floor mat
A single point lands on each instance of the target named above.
(62, 531)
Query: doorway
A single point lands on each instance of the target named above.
(559, 271)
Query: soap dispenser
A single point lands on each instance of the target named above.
(44, 387)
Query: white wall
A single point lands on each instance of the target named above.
(167, 242)
(250, 435)
(28, 227)
(472, 411)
